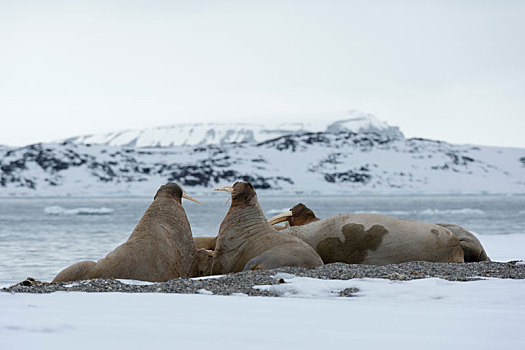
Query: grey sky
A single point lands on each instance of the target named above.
(449, 70)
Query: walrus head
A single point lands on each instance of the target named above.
(242, 193)
(204, 259)
(173, 190)
(298, 215)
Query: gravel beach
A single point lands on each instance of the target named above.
(243, 282)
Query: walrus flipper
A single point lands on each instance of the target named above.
(283, 255)
(76, 272)
(472, 248)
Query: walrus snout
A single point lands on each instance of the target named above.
(241, 192)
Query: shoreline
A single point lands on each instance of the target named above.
(242, 283)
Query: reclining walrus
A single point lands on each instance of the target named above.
(246, 241)
(159, 249)
(370, 238)
(472, 248)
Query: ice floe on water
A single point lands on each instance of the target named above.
(58, 210)
(462, 211)
(276, 211)
(386, 212)
(425, 212)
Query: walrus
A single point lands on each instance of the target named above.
(301, 217)
(160, 247)
(473, 250)
(207, 243)
(246, 241)
(204, 260)
(371, 239)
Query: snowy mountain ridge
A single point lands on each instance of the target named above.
(342, 162)
(191, 134)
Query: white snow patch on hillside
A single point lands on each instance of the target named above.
(223, 133)
(326, 163)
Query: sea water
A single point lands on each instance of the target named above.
(39, 237)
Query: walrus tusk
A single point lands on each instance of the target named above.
(185, 195)
(280, 217)
(282, 227)
(225, 189)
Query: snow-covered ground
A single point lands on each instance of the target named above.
(429, 313)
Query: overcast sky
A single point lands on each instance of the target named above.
(448, 70)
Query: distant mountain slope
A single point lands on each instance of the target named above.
(329, 162)
(222, 133)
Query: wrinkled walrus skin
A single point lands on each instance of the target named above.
(246, 240)
(159, 249)
(378, 240)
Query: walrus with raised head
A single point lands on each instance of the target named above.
(370, 238)
(246, 241)
(159, 249)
